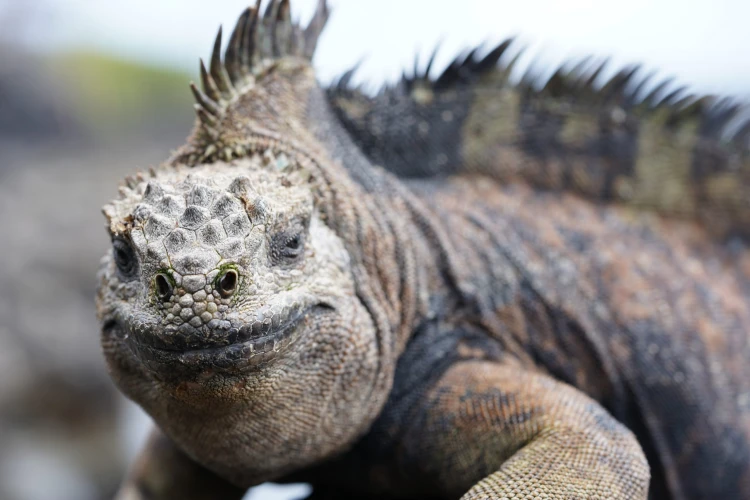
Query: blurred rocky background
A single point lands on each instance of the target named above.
(71, 125)
(78, 113)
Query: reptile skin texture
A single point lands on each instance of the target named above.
(458, 287)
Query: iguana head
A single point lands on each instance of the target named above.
(222, 268)
(237, 303)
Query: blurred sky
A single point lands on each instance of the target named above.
(705, 43)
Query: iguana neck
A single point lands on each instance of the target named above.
(408, 265)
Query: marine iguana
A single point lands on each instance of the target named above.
(459, 287)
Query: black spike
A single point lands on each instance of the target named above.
(450, 74)
(232, 56)
(216, 57)
(557, 83)
(577, 76)
(250, 36)
(217, 68)
(508, 67)
(209, 86)
(579, 70)
(281, 31)
(346, 78)
(204, 101)
(633, 96)
(265, 30)
(625, 92)
(469, 60)
(614, 89)
(430, 62)
(460, 70)
(315, 28)
(591, 80)
(671, 97)
(271, 10)
(490, 61)
(205, 117)
(651, 99)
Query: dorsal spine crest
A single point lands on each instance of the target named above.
(256, 44)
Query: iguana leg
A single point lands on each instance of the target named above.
(163, 472)
(496, 431)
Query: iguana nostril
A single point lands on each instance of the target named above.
(228, 283)
(163, 286)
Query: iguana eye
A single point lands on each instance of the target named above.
(294, 247)
(125, 259)
(294, 243)
(287, 248)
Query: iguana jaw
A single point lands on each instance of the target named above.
(251, 347)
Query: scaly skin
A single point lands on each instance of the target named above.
(624, 140)
(285, 310)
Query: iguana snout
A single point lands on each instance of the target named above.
(203, 311)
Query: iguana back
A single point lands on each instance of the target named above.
(628, 139)
(600, 230)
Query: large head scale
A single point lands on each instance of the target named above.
(233, 307)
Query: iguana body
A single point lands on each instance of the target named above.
(378, 297)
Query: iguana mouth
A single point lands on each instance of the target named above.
(247, 347)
